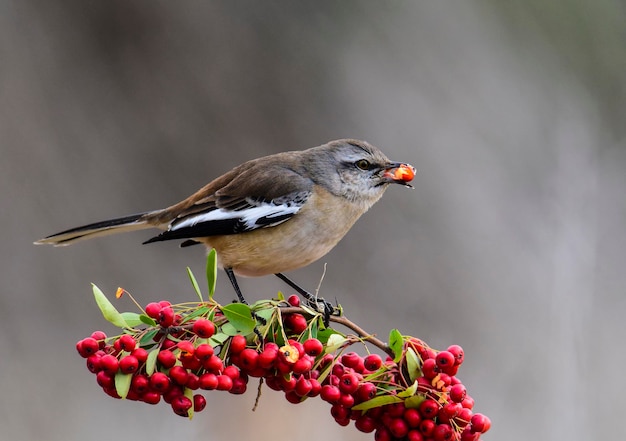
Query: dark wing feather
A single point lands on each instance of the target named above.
(259, 197)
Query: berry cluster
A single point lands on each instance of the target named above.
(176, 351)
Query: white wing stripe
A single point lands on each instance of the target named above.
(248, 216)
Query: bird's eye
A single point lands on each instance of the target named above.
(362, 164)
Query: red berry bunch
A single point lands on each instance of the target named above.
(175, 352)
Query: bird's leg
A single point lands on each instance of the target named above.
(318, 303)
(233, 281)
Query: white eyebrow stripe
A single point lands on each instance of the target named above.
(248, 216)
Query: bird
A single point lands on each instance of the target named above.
(272, 214)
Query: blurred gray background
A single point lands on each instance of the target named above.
(512, 243)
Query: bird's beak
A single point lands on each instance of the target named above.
(399, 173)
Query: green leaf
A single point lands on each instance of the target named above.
(396, 344)
(211, 271)
(122, 383)
(409, 391)
(379, 401)
(194, 283)
(218, 339)
(109, 312)
(198, 312)
(229, 330)
(147, 320)
(132, 319)
(414, 401)
(413, 364)
(335, 341)
(324, 334)
(265, 314)
(240, 316)
(280, 296)
(151, 361)
(148, 336)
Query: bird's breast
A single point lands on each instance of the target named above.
(310, 234)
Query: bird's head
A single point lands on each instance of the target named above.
(357, 170)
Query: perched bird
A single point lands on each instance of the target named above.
(272, 214)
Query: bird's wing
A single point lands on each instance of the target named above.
(258, 197)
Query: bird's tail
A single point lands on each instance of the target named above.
(97, 229)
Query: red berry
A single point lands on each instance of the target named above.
(140, 354)
(412, 417)
(151, 397)
(105, 380)
(186, 346)
(237, 344)
(296, 323)
(346, 400)
(93, 363)
(382, 434)
(458, 392)
(166, 317)
(100, 337)
(463, 418)
(427, 427)
(109, 364)
(267, 357)
(468, 435)
(167, 359)
(365, 392)
(430, 369)
(339, 412)
(248, 359)
(468, 402)
(204, 351)
(239, 386)
(224, 382)
(351, 359)
(179, 375)
(303, 387)
(199, 403)
(181, 405)
(316, 388)
(443, 432)
(208, 381)
(128, 364)
(330, 394)
(87, 347)
(447, 412)
(294, 300)
(414, 435)
(313, 347)
(159, 382)
(153, 309)
(480, 423)
(304, 364)
(165, 303)
(395, 410)
(127, 343)
(214, 364)
(444, 359)
(365, 424)
(140, 384)
(231, 371)
(349, 383)
(458, 353)
(398, 427)
(203, 328)
(429, 409)
(373, 362)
